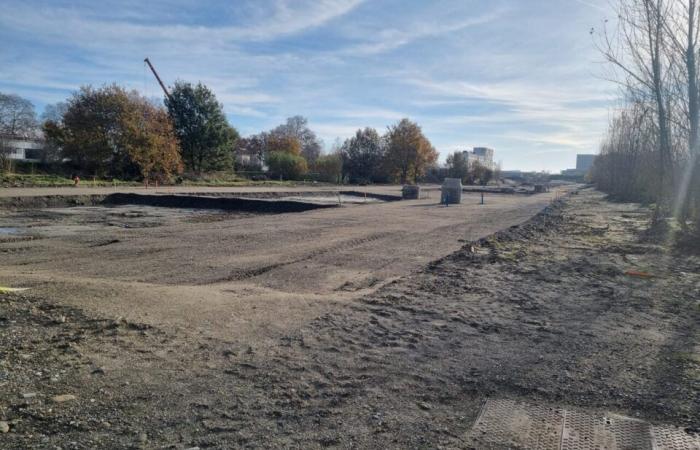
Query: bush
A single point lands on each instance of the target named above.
(287, 165)
(329, 168)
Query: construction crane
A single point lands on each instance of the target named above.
(165, 90)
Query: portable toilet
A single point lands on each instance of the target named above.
(451, 191)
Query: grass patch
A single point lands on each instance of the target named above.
(219, 179)
(45, 180)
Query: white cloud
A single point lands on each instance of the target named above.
(387, 39)
(281, 19)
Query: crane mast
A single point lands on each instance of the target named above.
(162, 85)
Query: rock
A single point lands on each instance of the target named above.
(4, 427)
(59, 320)
(424, 406)
(143, 438)
(63, 398)
(29, 395)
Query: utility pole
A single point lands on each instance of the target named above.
(165, 90)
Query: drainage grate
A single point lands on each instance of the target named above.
(508, 424)
(586, 432)
(665, 437)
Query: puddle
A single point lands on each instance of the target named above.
(332, 199)
(9, 230)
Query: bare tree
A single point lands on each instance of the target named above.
(17, 116)
(17, 120)
(639, 52)
(298, 127)
(683, 30)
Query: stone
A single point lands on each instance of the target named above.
(4, 427)
(424, 406)
(27, 395)
(63, 398)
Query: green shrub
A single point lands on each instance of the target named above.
(329, 168)
(287, 165)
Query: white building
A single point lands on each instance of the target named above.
(584, 164)
(481, 155)
(22, 149)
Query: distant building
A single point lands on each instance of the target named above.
(481, 155)
(22, 148)
(249, 160)
(512, 174)
(584, 163)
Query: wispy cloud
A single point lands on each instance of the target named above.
(392, 38)
(514, 75)
(593, 5)
(281, 18)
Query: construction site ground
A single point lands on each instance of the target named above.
(398, 324)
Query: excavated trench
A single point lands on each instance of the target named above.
(258, 202)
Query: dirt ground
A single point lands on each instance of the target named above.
(237, 347)
(249, 277)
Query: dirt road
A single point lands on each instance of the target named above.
(238, 276)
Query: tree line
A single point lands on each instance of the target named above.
(113, 132)
(650, 151)
(402, 154)
(471, 173)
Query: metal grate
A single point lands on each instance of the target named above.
(586, 432)
(508, 424)
(665, 437)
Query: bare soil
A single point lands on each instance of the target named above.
(379, 348)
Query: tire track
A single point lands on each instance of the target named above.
(247, 273)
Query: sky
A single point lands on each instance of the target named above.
(520, 76)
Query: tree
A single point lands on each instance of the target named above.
(94, 133)
(363, 155)
(282, 143)
(498, 172)
(207, 141)
(54, 137)
(153, 146)
(479, 174)
(52, 128)
(54, 112)
(639, 53)
(330, 168)
(252, 150)
(17, 119)
(651, 152)
(457, 166)
(287, 165)
(683, 29)
(110, 131)
(298, 127)
(17, 116)
(409, 153)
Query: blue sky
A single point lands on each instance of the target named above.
(521, 76)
